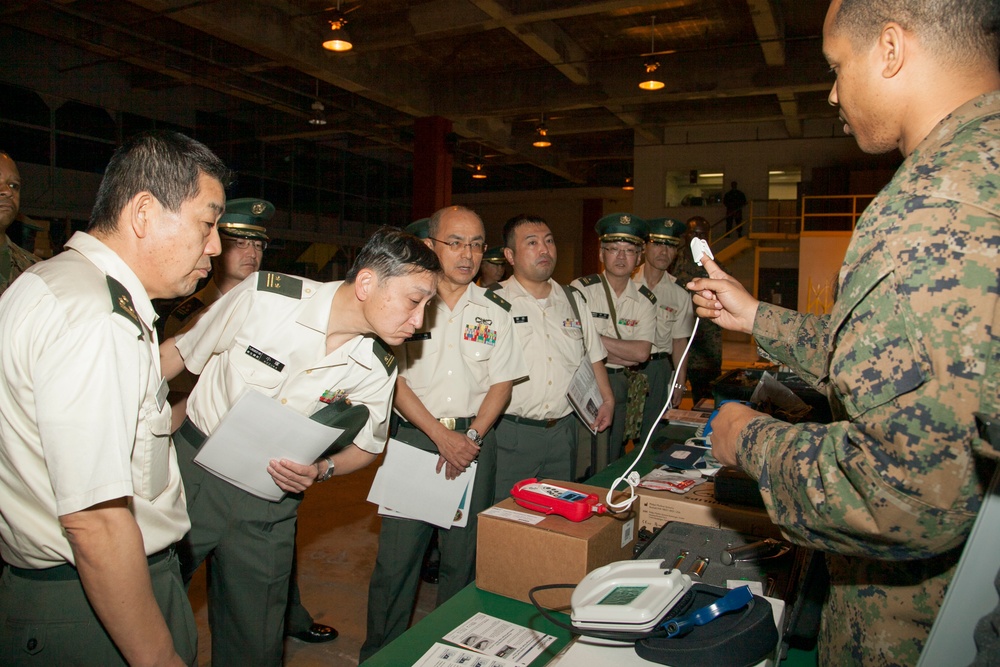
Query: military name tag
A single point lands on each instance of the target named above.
(601, 316)
(264, 358)
(521, 319)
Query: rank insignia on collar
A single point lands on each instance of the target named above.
(384, 354)
(279, 283)
(121, 303)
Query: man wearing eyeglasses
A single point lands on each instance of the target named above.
(455, 378)
(244, 240)
(625, 317)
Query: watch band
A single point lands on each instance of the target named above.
(329, 470)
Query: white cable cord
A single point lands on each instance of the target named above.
(631, 477)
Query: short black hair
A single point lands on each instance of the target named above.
(517, 221)
(963, 31)
(391, 252)
(164, 163)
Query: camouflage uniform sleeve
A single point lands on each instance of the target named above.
(912, 358)
(798, 340)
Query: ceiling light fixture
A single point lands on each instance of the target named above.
(652, 64)
(317, 115)
(628, 184)
(478, 172)
(541, 135)
(340, 41)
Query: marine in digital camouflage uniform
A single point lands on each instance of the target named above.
(909, 352)
(13, 259)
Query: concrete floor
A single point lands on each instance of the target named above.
(338, 541)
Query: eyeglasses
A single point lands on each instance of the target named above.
(628, 252)
(477, 247)
(243, 244)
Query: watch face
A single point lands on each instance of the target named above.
(472, 434)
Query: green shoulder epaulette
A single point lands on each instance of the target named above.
(572, 290)
(646, 292)
(384, 354)
(121, 303)
(498, 300)
(592, 279)
(279, 283)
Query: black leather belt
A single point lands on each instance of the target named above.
(542, 423)
(69, 573)
(450, 423)
(659, 355)
(612, 371)
(192, 434)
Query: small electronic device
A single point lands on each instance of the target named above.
(699, 249)
(629, 596)
(551, 499)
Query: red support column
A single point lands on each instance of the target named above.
(431, 166)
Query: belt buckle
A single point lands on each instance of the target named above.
(448, 423)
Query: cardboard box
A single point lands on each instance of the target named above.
(514, 557)
(699, 507)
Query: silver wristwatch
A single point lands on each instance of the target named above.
(473, 435)
(329, 470)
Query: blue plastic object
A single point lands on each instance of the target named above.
(708, 425)
(731, 601)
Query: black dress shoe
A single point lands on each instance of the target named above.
(430, 571)
(316, 634)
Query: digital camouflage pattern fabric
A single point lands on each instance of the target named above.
(907, 355)
(20, 259)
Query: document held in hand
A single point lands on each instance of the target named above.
(584, 395)
(256, 430)
(407, 486)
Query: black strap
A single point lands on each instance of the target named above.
(611, 305)
(576, 311)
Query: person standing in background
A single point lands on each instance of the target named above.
(537, 436)
(13, 258)
(734, 200)
(674, 320)
(624, 315)
(493, 268)
(704, 363)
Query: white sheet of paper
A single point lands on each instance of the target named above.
(407, 480)
(496, 637)
(254, 431)
(443, 655)
(584, 395)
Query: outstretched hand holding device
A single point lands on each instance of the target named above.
(721, 298)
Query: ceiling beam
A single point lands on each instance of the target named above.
(770, 31)
(544, 38)
(449, 18)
